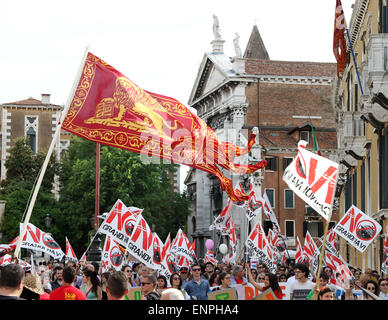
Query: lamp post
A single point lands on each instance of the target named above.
(47, 222)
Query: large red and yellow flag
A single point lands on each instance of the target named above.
(339, 42)
(109, 108)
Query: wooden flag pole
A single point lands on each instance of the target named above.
(48, 156)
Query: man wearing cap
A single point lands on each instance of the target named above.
(11, 282)
(184, 273)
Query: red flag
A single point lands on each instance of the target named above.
(109, 108)
(339, 43)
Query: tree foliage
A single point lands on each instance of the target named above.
(22, 172)
(124, 176)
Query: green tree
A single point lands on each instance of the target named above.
(23, 169)
(123, 176)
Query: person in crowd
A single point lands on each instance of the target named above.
(56, 277)
(47, 290)
(270, 281)
(261, 268)
(184, 273)
(11, 282)
(348, 294)
(238, 275)
(32, 287)
(282, 269)
(329, 272)
(148, 287)
(161, 283)
(357, 273)
(104, 282)
(383, 286)
(135, 273)
(325, 293)
(209, 270)
(176, 281)
(91, 285)
(224, 280)
(282, 277)
(67, 291)
(323, 283)
(372, 287)
(375, 276)
(197, 288)
(172, 294)
(260, 277)
(128, 271)
(117, 285)
(301, 287)
(254, 273)
(214, 279)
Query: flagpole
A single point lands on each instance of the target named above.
(314, 297)
(48, 156)
(354, 61)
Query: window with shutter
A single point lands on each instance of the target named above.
(288, 199)
(290, 228)
(271, 196)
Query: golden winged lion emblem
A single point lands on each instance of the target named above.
(131, 108)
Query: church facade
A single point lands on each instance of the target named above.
(283, 99)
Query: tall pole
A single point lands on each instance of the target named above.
(95, 252)
(97, 201)
(48, 155)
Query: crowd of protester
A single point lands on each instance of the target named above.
(53, 280)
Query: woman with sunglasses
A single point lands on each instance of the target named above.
(383, 284)
(128, 272)
(372, 287)
(254, 273)
(176, 283)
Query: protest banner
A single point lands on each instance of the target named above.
(134, 293)
(339, 266)
(330, 242)
(299, 251)
(119, 222)
(313, 178)
(270, 213)
(112, 256)
(284, 287)
(222, 221)
(36, 239)
(311, 251)
(181, 246)
(258, 243)
(384, 263)
(266, 295)
(357, 228)
(5, 259)
(70, 255)
(246, 292)
(140, 244)
(225, 294)
(254, 204)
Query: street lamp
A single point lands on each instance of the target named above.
(47, 221)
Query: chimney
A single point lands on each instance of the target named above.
(45, 98)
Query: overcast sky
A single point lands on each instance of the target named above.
(157, 44)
